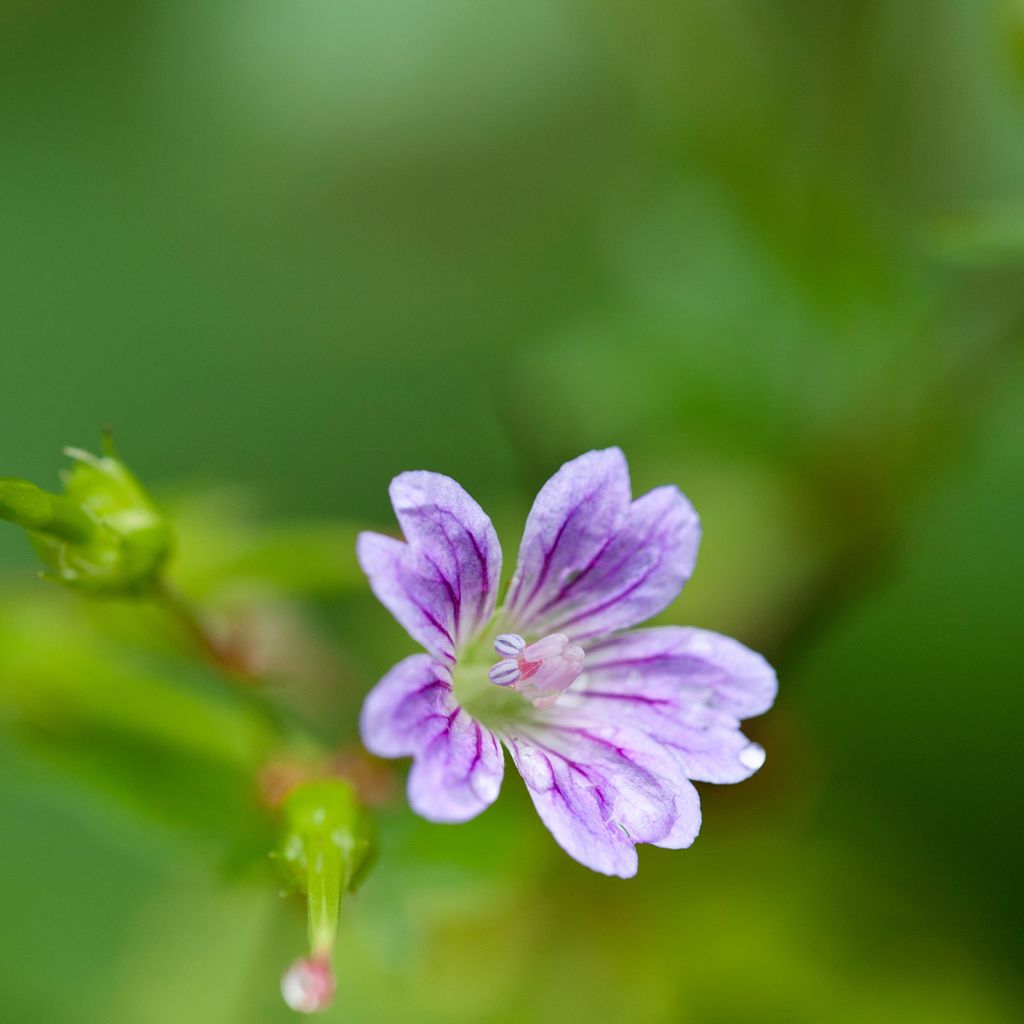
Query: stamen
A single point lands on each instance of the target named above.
(505, 673)
(509, 644)
(541, 672)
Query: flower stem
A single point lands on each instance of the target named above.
(182, 612)
(34, 509)
(288, 727)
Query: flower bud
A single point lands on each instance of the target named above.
(103, 534)
(324, 848)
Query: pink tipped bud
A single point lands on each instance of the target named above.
(308, 985)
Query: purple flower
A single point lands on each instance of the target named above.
(606, 727)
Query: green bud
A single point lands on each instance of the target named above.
(323, 852)
(103, 534)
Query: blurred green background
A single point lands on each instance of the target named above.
(286, 250)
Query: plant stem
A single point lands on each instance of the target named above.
(186, 616)
(34, 509)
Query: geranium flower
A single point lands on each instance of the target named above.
(607, 728)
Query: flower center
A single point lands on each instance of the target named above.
(538, 673)
(541, 672)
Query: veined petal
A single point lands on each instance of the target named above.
(591, 562)
(573, 516)
(458, 764)
(602, 788)
(686, 688)
(440, 585)
(637, 574)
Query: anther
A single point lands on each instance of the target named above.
(505, 673)
(510, 645)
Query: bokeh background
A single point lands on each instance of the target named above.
(286, 250)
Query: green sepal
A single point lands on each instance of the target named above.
(104, 534)
(324, 850)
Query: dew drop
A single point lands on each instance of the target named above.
(752, 756)
(308, 985)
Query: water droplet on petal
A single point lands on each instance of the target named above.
(308, 985)
(752, 756)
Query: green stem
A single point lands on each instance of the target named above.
(185, 615)
(34, 509)
(287, 725)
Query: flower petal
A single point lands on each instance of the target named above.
(573, 516)
(591, 562)
(440, 585)
(686, 688)
(458, 763)
(602, 788)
